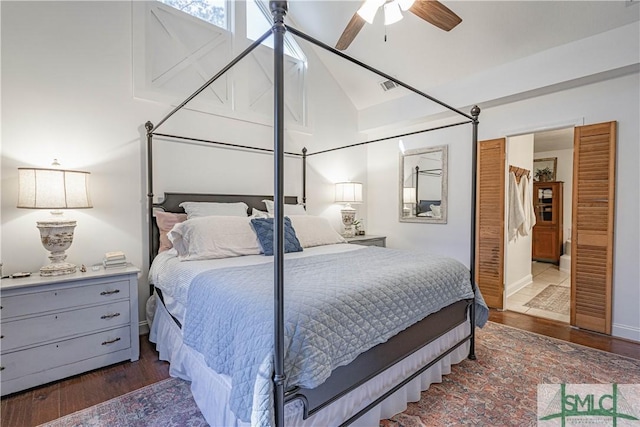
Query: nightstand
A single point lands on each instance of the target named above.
(367, 240)
(55, 327)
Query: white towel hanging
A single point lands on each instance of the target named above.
(516, 211)
(527, 205)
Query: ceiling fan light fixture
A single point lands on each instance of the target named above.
(392, 13)
(406, 4)
(369, 9)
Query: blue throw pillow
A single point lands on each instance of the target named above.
(264, 230)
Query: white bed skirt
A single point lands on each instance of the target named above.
(211, 390)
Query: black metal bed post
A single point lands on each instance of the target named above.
(278, 10)
(475, 112)
(304, 176)
(149, 127)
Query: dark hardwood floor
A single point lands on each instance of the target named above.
(563, 331)
(46, 403)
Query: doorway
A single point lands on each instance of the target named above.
(537, 260)
(592, 225)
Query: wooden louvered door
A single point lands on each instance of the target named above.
(489, 266)
(593, 215)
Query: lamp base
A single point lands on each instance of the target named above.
(57, 269)
(348, 216)
(56, 237)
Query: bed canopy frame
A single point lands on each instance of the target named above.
(279, 10)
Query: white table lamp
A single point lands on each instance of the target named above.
(54, 189)
(347, 193)
(408, 199)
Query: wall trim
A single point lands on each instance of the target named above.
(543, 127)
(516, 286)
(143, 327)
(626, 332)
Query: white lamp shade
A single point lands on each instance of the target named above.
(392, 13)
(53, 189)
(409, 195)
(348, 192)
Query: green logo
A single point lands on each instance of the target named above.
(604, 404)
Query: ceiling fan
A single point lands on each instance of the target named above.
(431, 11)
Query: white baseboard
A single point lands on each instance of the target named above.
(143, 327)
(624, 331)
(516, 286)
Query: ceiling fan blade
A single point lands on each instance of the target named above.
(350, 32)
(436, 13)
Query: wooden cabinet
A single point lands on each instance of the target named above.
(55, 327)
(547, 233)
(367, 240)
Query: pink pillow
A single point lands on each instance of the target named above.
(166, 221)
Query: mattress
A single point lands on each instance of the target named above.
(173, 277)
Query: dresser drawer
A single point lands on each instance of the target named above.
(368, 240)
(63, 297)
(37, 359)
(38, 329)
(372, 242)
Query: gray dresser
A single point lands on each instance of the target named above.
(55, 327)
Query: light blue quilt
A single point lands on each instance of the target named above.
(336, 307)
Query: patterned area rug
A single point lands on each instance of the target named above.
(498, 389)
(552, 298)
(167, 403)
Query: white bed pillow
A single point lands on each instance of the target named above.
(200, 209)
(257, 213)
(288, 209)
(213, 237)
(314, 230)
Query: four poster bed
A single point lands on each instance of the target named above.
(336, 334)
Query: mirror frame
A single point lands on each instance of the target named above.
(444, 192)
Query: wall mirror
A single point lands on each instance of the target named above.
(423, 185)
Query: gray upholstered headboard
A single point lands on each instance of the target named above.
(171, 202)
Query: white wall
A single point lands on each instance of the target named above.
(557, 88)
(614, 99)
(564, 173)
(518, 250)
(383, 209)
(67, 94)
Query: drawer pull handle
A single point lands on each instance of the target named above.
(111, 342)
(1, 368)
(109, 316)
(110, 292)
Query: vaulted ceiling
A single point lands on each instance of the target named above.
(492, 33)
